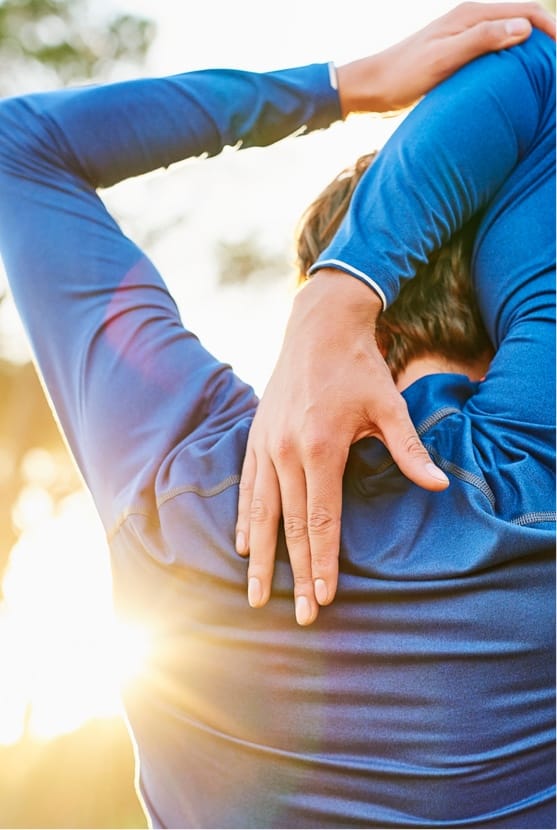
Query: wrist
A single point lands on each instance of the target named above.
(358, 87)
(331, 289)
(376, 84)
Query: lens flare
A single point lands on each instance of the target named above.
(64, 655)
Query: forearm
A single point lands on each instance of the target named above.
(128, 382)
(444, 164)
(330, 379)
(108, 133)
(399, 76)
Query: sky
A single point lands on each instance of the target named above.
(257, 35)
(256, 194)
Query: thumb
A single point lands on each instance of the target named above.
(488, 36)
(410, 455)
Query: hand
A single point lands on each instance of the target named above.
(330, 388)
(291, 467)
(399, 76)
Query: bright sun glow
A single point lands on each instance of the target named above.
(64, 655)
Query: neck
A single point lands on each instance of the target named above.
(433, 364)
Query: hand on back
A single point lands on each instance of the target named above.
(331, 386)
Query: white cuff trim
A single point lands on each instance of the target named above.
(333, 79)
(337, 263)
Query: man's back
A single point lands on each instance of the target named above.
(424, 693)
(427, 684)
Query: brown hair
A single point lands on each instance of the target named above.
(435, 313)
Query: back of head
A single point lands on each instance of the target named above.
(435, 313)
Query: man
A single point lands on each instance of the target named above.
(242, 719)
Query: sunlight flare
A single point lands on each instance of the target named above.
(64, 654)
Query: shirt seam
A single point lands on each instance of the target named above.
(435, 417)
(203, 492)
(446, 465)
(462, 474)
(535, 517)
(421, 429)
(123, 518)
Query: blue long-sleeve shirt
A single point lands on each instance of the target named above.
(423, 696)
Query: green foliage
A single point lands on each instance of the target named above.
(243, 260)
(49, 43)
(56, 42)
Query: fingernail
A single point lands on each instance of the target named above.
(254, 591)
(321, 592)
(303, 611)
(517, 26)
(436, 473)
(240, 542)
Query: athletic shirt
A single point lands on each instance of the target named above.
(424, 695)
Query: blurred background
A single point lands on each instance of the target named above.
(220, 231)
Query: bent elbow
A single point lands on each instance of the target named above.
(17, 134)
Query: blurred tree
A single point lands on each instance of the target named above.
(49, 43)
(243, 260)
(26, 424)
(65, 41)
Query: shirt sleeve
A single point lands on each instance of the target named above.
(444, 163)
(483, 141)
(127, 380)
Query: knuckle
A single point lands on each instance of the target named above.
(295, 528)
(467, 8)
(245, 486)
(321, 521)
(392, 408)
(259, 511)
(413, 446)
(284, 449)
(315, 447)
(489, 33)
(458, 15)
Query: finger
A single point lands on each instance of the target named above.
(324, 508)
(294, 517)
(245, 497)
(453, 52)
(542, 19)
(488, 36)
(264, 519)
(409, 454)
(472, 13)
